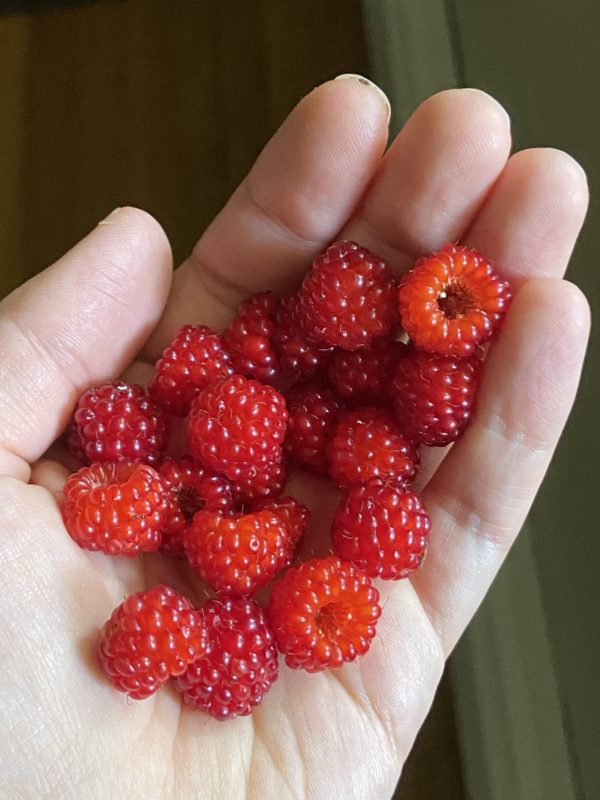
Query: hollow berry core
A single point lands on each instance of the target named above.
(113, 474)
(455, 300)
(189, 502)
(332, 618)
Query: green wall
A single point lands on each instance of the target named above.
(540, 59)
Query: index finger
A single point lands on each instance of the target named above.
(303, 187)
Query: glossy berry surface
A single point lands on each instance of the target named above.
(118, 422)
(294, 514)
(119, 508)
(347, 299)
(312, 410)
(236, 425)
(365, 375)
(381, 528)
(297, 354)
(434, 396)
(323, 613)
(240, 663)
(248, 336)
(194, 359)
(368, 443)
(238, 553)
(152, 636)
(259, 482)
(191, 487)
(452, 301)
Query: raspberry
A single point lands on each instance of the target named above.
(365, 374)
(191, 488)
(452, 301)
(248, 338)
(118, 422)
(236, 425)
(151, 636)
(240, 664)
(382, 529)
(295, 515)
(434, 396)
(297, 355)
(312, 410)
(368, 443)
(259, 483)
(323, 613)
(348, 298)
(194, 359)
(117, 508)
(238, 553)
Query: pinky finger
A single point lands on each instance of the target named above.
(481, 493)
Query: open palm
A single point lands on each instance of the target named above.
(447, 176)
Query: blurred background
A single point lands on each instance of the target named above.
(165, 105)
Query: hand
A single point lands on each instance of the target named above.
(447, 176)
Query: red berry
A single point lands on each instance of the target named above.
(260, 482)
(434, 396)
(368, 443)
(297, 355)
(295, 515)
(323, 613)
(348, 298)
(117, 508)
(150, 637)
(238, 553)
(236, 425)
(248, 338)
(118, 422)
(240, 664)
(194, 359)
(381, 528)
(191, 488)
(365, 374)
(452, 301)
(312, 411)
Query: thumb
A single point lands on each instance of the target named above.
(77, 323)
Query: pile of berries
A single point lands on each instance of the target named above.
(348, 377)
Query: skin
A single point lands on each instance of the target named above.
(447, 175)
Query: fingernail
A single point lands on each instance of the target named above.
(107, 220)
(349, 76)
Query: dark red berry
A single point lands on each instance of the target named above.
(297, 355)
(434, 396)
(248, 338)
(368, 443)
(260, 482)
(348, 298)
(312, 410)
(194, 359)
(118, 422)
(237, 425)
(240, 664)
(382, 528)
(365, 374)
